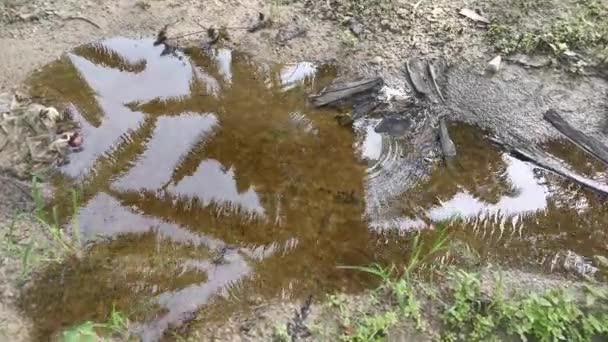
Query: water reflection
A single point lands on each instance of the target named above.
(171, 141)
(243, 187)
(205, 178)
(211, 183)
(531, 197)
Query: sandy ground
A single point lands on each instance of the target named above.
(34, 32)
(38, 32)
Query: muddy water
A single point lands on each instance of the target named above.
(209, 182)
(202, 172)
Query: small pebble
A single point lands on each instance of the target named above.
(494, 65)
(377, 60)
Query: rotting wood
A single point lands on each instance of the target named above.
(417, 77)
(525, 150)
(337, 92)
(588, 144)
(447, 145)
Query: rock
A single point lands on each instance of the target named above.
(494, 65)
(396, 127)
(530, 61)
(377, 60)
(473, 15)
(342, 91)
(447, 145)
(600, 261)
(356, 27)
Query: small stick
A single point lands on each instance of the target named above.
(434, 79)
(83, 19)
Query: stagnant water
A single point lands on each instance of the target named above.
(208, 181)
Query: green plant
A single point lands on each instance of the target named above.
(552, 316)
(400, 288)
(372, 328)
(583, 30)
(117, 323)
(280, 333)
(70, 244)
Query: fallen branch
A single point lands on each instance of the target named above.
(447, 145)
(588, 144)
(527, 151)
(338, 92)
(417, 76)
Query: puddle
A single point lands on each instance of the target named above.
(208, 177)
(211, 167)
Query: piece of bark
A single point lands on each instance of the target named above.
(447, 145)
(364, 108)
(527, 151)
(338, 92)
(588, 144)
(418, 76)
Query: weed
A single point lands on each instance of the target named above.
(552, 316)
(281, 334)
(117, 324)
(584, 30)
(372, 328)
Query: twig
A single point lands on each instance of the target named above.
(83, 19)
(205, 30)
(434, 79)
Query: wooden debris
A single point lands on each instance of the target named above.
(447, 145)
(474, 16)
(363, 108)
(342, 91)
(434, 80)
(86, 20)
(161, 37)
(588, 144)
(213, 36)
(528, 151)
(418, 76)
